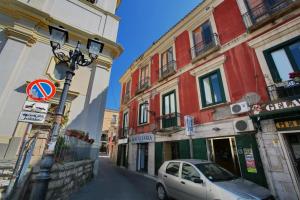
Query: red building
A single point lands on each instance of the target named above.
(208, 66)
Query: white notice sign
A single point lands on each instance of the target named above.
(36, 107)
(32, 117)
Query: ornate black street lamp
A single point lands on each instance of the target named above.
(75, 58)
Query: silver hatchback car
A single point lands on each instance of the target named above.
(198, 179)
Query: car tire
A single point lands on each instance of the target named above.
(161, 192)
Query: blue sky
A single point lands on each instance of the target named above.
(142, 22)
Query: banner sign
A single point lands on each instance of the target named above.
(250, 162)
(142, 138)
(275, 106)
(32, 117)
(189, 125)
(36, 107)
(283, 125)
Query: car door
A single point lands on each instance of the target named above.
(189, 189)
(172, 180)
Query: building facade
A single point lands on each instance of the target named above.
(109, 134)
(213, 66)
(26, 55)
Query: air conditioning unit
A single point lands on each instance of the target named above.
(243, 125)
(239, 108)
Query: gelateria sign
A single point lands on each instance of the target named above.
(275, 106)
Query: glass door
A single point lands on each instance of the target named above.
(169, 111)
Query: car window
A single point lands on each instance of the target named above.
(214, 172)
(173, 168)
(189, 172)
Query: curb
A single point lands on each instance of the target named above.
(140, 174)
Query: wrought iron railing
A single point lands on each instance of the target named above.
(143, 85)
(265, 10)
(169, 121)
(203, 47)
(286, 89)
(168, 69)
(123, 132)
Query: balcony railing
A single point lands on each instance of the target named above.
(168, 69)
(143, 85)
(205, 47)
(168, 122)
(266, 11)
(126, 98)
(286, 89)
(123, 132)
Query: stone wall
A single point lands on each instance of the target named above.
(67, 178)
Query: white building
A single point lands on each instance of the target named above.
(26, 55)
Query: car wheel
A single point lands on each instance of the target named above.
(161, 192)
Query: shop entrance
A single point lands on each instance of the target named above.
(293, 142)
(223, 152)
(122, 157)
(142, 157)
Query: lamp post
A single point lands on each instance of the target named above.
(75, 58)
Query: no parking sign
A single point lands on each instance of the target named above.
(41, 90)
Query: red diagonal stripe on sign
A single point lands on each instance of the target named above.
(42, 90)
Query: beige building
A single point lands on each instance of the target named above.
(108, 143)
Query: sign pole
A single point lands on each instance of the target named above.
(191, 147)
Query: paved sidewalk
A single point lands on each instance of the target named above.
(114, 183)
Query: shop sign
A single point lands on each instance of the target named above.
(142, 138)
(32, 117)
(250, 162)
(282, 125)
(123, 141)
(189, 125)
(275, 106)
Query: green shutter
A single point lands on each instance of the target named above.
(249, 142)
(199, 148)
(184, 149)
(158, 155)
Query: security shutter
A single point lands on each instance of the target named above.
(158, 155)
(184, 149)
(200, 150)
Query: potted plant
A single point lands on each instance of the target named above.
(295, 76)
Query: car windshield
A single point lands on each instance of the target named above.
(215, 173)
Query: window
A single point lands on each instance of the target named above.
(127, 88)
(284, 59)
(202, 38)
(144, 75)
(125, 124)
(60, 70)
(189, 172)
(143, 113)
(167, 57)
(114, 119)
(211, 88)
(169, 110)
(173, 168)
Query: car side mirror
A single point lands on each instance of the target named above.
(198, 180)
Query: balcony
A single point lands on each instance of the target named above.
(169, 122)
(206, 47)
(126, 98)
(168, 70)
(142, 85)
(268, 12)
(123, 133)
(284, 90)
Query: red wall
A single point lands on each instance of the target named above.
(243, 73)
(154, 69)
(183, 49)
(228, 20)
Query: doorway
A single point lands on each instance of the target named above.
(142, 158)
(223, 152)
(293, 143)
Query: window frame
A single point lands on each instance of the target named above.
(146, 113)
(270, 61)
(201, 30)
(202, 90)
(179, 171)
(182, 165)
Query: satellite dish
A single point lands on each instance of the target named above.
(252, 98)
